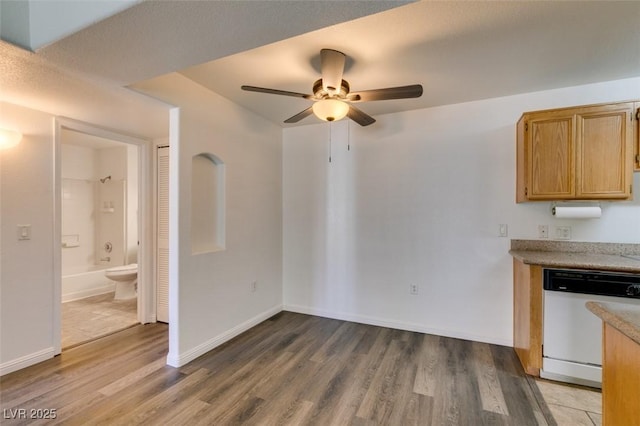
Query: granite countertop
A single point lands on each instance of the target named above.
(578, 255)
(622, 316)
(592, 261)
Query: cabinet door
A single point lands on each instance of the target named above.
(636, 137)
(551, 154)
(604, 164)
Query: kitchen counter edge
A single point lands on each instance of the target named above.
(623, 317)
(588, 261)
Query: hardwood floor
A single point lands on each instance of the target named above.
(291, 369)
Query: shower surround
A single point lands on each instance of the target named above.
(94, 218)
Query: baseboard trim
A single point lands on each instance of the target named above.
(26, 361)
(399, 325)
(184, 358)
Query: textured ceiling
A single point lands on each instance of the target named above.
(84, 75)
(459, 51)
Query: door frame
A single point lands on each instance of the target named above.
(146, 259)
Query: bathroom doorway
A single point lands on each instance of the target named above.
(99, 229)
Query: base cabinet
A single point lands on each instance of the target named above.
(620, 379)
(527, 315)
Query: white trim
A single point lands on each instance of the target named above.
(399, 325)
(56, 296)
(178, 360)
(26, 361)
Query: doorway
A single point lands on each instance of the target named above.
(101, 244)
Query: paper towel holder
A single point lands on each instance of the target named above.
(578, 206)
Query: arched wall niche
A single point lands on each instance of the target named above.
(207, 204)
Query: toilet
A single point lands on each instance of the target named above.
(126, 278)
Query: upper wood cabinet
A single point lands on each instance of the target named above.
(578, 153)
(636, 128)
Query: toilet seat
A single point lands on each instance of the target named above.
(122, 270)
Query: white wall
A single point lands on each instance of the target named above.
(78, 208)
(210, 293)
(29, 326)
(132, 204)
(418, 199)
(26, 279)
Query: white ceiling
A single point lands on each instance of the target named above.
(459, 51)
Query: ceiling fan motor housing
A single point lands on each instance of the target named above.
(320, 93)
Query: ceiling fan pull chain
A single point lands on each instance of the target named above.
(330, 134)
(348, 136)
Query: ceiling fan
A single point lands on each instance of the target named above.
(332, 98)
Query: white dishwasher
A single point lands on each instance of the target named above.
(572, 336)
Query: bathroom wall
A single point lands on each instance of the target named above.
(120, 226)
(82, 168)
(132, 204)
(78, 208)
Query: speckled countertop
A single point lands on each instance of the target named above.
(622, 316)
(578, 255)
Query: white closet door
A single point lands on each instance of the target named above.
(162, 255)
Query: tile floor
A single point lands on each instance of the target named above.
(97, 316)
(572, 405)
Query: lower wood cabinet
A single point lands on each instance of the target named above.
(620, 379)
(527, 315)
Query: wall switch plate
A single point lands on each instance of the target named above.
(543, 231)
(503, 230)
(413, 288)
(563, 232)
(24, 232)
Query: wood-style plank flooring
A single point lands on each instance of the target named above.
(292, 369)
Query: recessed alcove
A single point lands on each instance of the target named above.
(207, 204)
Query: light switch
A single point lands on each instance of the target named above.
(24, 232)
(503, 230)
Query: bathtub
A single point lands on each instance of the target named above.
(85, 282)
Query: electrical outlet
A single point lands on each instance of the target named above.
(563, 232)
(413, 288)
(254, 286)
(543, 231)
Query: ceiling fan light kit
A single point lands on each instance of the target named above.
(330, 109)
(331, 96)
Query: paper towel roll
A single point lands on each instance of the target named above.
(577, 212)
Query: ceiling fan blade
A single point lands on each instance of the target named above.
(299, 116)
(401, 92)
(360, 117)
(332, 67)
(275, 92)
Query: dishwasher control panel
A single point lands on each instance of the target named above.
(605, 283)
